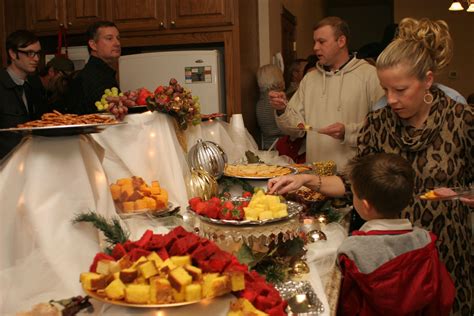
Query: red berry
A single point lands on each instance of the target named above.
(246, 194)
(194, 201)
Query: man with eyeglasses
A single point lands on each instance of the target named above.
(100, 71)
(21, 92)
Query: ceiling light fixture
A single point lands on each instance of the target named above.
(457, 5)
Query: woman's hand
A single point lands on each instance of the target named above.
(285, 184)
(467, 200)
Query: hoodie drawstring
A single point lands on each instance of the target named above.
(339, 107)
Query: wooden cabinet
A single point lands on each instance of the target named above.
(165, 15)
(45, 17)
(137, 15)
(198, 13)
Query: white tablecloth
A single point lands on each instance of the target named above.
(49, 179)
(42, 185)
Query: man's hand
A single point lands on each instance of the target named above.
(336, 130)
(278, 100)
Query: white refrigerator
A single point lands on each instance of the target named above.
(200, 71)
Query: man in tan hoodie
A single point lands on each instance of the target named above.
(331, 101)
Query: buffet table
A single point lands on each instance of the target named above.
(47, 180)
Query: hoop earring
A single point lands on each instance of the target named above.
(428, 98)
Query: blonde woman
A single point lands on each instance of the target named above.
(269, 77)
(429, 129)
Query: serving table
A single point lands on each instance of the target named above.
(45, 181)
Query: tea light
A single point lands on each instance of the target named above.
(322, 219)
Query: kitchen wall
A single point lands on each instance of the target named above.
(307, 13)
(461, 26)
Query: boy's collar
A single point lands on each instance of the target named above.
(387, 224)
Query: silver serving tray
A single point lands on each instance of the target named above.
(62, 130)
(293, 210)
(293, 171)
(171, 209)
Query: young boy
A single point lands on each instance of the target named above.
(389, 267)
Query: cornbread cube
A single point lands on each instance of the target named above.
(140, 280)
(208, 278)
(86, 279)
(128, 206)
(115, 290)
(128, 275)
(153, 256)
(243, 307)
(193, 292)
(181, 261)
(116, 275)
(107, 267)
(178, 296)
(137, 293)
(160, 291)
(179, 278)
(195, 272)
(237, 281)
(116, 190)
(155, 183)
(140, 204)
(220, 286)
(140, 261)
(125, 262)
(148, 269)
(167, 266)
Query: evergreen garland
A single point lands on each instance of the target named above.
(113, 230)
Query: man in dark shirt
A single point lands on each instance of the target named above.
(99, 73)
(21, 92)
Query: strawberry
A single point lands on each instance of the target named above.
(194, 201)
(228, 205)
(215, 200)
(236, 214)
(201, 208)
(226, 214)
(212, 210)
(246, 194)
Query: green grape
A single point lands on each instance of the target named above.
(107, 92)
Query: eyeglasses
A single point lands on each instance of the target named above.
(31, 53)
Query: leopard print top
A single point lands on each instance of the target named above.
(442, 154)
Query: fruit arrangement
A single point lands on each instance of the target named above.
(117, 103)
(134, 195)
(176, 267)
(260, 207)
(220, 209)
(177, 102)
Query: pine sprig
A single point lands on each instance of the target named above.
(227, 182)
(113, 231)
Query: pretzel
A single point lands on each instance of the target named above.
(56, 118)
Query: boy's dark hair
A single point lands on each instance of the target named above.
(386, 181)
(19, 39)
(91, 32)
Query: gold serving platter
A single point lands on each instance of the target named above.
(103, 299)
